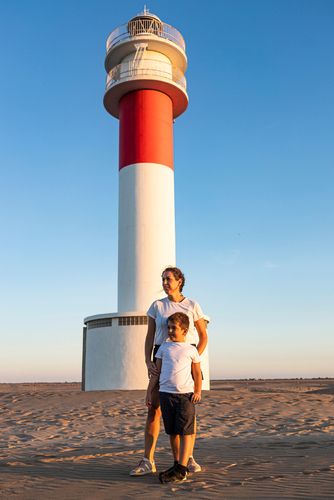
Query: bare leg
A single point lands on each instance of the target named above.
(193, 439)
(175, 445)
(152, 428)
(185, 447)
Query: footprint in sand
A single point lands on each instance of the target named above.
(27, 414)
(16, 400)
(63, 422)
(24, 437)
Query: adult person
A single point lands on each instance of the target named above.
(173, 281)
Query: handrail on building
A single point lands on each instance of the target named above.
(161, 30)
(132, 69)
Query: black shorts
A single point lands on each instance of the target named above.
(178, 413)
(155, 350)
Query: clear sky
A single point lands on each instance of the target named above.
(253, 169)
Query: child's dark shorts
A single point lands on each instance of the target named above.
(178, 413)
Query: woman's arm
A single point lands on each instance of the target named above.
(149, 341)
(200, 326)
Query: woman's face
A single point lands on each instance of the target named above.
(169, 283)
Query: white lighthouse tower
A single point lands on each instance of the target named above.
(146, 91)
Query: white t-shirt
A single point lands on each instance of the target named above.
(161, 309)
(175, 375)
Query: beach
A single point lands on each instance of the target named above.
(256, 439)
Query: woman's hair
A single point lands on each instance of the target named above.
(178, 275)
(181, 319)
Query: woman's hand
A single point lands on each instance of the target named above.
(151, 368)
(196, 397)
(148, 399)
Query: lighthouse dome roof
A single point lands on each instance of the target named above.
(145, 14)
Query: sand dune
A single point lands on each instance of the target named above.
(257, 439)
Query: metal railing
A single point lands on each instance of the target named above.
(134, 69)
(163, 31)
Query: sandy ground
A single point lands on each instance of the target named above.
(257, 439)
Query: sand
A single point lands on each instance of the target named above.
(257, 439)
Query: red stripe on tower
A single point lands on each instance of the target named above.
(146, 128)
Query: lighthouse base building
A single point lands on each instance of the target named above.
(113, 353)
(146, 91)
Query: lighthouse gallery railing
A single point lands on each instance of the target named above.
(164, 31)
(132, 69)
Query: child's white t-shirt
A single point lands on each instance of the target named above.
(175, 376)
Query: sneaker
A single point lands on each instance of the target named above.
(144, 467)
(172, 475)
(193, 466)
(172, 467)
(169, 470)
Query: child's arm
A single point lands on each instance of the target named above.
(154, 379)
(197, 376)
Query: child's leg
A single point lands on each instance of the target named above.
(185, 448)
(175, 445)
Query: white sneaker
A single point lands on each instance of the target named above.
(144, 467)
(193, 466)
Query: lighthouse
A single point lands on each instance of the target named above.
(146, 91)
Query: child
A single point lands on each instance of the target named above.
(180, 382)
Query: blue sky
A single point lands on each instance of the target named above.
(253, 170)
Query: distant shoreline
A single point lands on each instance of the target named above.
(251, 379)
